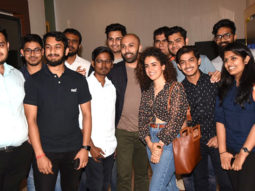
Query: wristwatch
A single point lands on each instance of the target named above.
(246, 150)
(87, 147)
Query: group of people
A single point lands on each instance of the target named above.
(91, 126)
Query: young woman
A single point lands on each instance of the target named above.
(160, 120)
(235, 116)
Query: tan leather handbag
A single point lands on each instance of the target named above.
(186, 148)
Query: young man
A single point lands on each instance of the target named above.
(224, 32)
(201, 95)
(103, 141)
(114, 34)
(131, 152)
(177, 38)
(15, 151)
(53, 96)
(73, 61)
(32, 51)
(160, 40)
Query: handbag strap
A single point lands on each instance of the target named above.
(188, 115)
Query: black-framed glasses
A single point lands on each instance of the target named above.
(29, 51)
(225, 36)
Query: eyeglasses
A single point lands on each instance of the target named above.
(29, 51)
(225, 36)
(103, 61)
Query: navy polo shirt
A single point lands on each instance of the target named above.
(57, 100)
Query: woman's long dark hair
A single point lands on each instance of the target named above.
(247, 79)
(169, 72)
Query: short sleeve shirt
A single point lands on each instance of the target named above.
(57, 100)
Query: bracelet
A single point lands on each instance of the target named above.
(223, 152)
(40, 156)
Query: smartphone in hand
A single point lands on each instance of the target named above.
(76, 163)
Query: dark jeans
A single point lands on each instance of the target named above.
(131, 152)
(114, 177)
(244, 180)
(99, 174)
(201, 172)
(14, 167)
(62, 162)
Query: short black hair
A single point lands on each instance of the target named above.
(59, 36)
(224, 23)
(187, 49)
(74, 32)
(162, 30)
(177, 29)
(31, 38)
(115, 27)
(3, 31)
(101, 49)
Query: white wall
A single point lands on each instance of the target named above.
(37, 16)
(142, 17)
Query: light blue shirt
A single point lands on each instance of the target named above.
(13, 124)
(206, 66)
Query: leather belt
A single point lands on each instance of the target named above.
(7, 149)
(155, 125)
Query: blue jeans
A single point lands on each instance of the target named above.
(163, 177)
(31, 184)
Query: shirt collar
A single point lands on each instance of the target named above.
(48, 72)
(107, 81)
(7, 68)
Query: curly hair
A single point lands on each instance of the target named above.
(247, 79)
(169, 72)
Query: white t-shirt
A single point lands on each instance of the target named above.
(79, 62)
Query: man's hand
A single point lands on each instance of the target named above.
(83, 156)
(81, 71)
(44, 165)
(96, 153)
(239, 160)
(225, 159)
(215, 76)
(213, 142)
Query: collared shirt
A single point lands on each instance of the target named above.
(201, 98)
(103, 114)
(152, 107)
(237, 121)
(57, 100)
(206, 66)
(79, 62)
(13, 124)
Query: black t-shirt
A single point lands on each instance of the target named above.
(57, 101)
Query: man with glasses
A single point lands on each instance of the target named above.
(224, 32)
(73, 61)
(103, 141)
(160, 40)
(32, 52)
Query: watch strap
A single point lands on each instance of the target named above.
(86, 147)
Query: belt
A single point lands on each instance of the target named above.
(155, 125)
(7, 149)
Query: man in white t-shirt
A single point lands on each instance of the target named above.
(73, 61)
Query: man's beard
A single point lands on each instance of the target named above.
(55, 63)
(131, 59)
(34, 64)
(72, 53)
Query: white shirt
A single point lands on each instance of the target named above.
(217, 62)
(13, 124)
(103, 114)
(79, 62)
